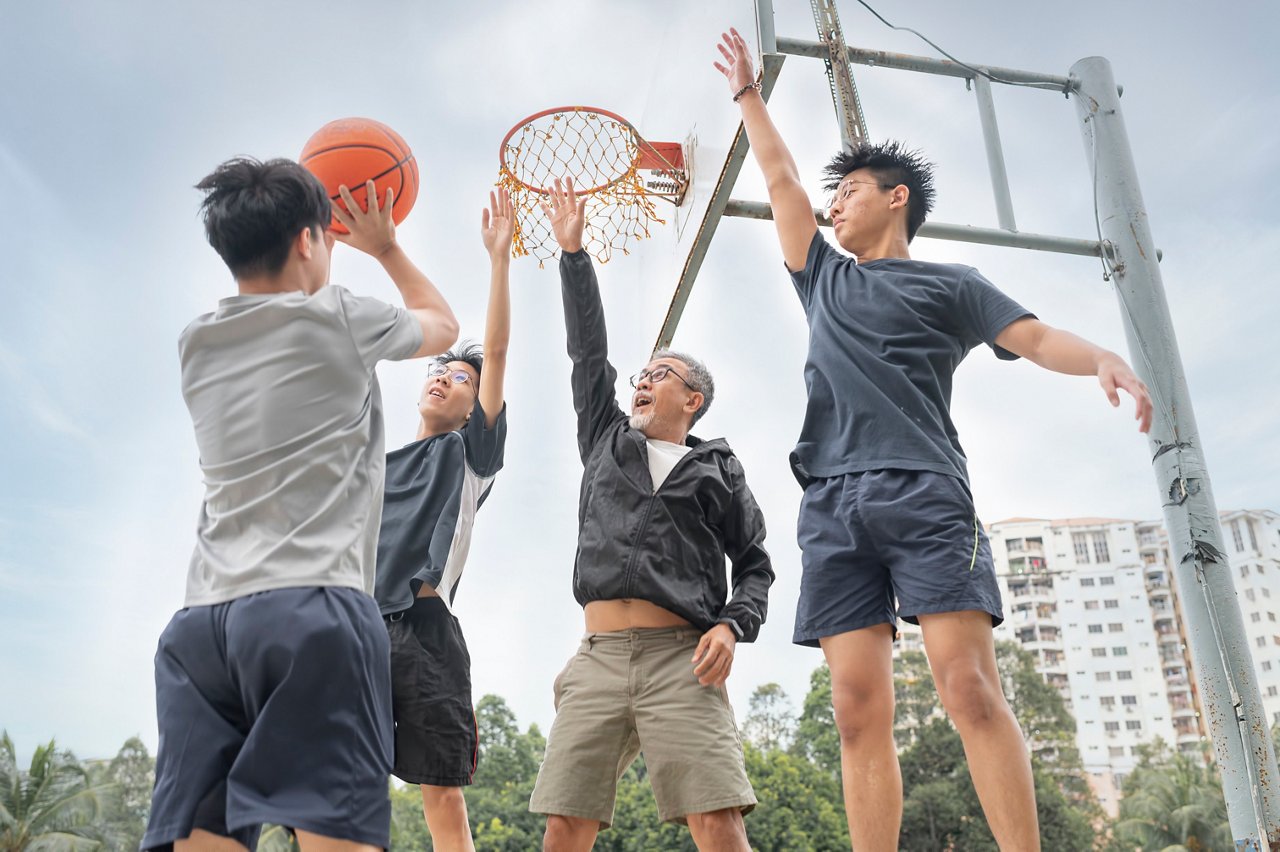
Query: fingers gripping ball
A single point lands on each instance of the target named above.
(352, 151)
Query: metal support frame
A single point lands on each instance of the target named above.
(1219, 648)
(1215, 628)
(844, 94)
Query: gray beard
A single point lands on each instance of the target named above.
(641, 422)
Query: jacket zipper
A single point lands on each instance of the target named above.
(644, 525)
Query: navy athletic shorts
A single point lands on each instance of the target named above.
(869, 538)
(274, 708)
(436, 738)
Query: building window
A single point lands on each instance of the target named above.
(1102, 677)
(1090, 604)
(1133, 725)
(1248, 593)
(1113, 604)
(1106, 581)
(1271, 691)
(1236, 536)
(1099, 652)
(1124, 675)
(1271, 616)
(1115, 627)
(1112, 726)
(1266, 665)
(1129, 700)
(1261, 641)
(1013, 545)
(1116, 751)
(1100, 552)
(1253, 536)
(1266, 593)
(1107, 701)
(1255, 617)
(1120, 651)
(1080, 542)
(1244, 570)
(1086, 581)
(1095, 628)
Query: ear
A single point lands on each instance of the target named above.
(899, 196)
(693, 403)
(303, 243)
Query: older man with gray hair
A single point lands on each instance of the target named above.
(660, 510)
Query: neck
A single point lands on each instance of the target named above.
(671, 436)
(891, 243)
(286, 281)
(427, 430)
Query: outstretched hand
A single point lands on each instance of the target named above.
(566, 214)
(1114, 374)
(498, 224)
(738, 70)
(371, 231)
(713, 658)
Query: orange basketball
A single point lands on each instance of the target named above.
(352, 151)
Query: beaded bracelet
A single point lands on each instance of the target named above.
(745, 89)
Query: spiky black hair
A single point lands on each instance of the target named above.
(893, 163)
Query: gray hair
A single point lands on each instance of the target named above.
(699, 379)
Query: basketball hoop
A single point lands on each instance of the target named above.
(618, 171)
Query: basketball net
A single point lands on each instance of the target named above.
(606, 157)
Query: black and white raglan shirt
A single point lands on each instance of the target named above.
(434, 486)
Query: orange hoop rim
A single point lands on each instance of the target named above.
(502, 146)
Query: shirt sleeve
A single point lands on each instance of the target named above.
(820, 254)
(752, 571)
(484, 446)
(983, 311)
(381, 332)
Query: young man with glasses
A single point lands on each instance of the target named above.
(434, 486)
(887, 511)
(659, 512)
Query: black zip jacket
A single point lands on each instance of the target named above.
(667, 548)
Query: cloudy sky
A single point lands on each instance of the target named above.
(112, 111)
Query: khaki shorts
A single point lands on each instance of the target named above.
(631, 692)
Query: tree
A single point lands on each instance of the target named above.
(1174, 803)
(129, 776)
(51, 807)
(770, 720)
(816, 738)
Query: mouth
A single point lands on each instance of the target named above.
(436, 392)
(641, 402)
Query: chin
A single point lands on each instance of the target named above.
(642, 422)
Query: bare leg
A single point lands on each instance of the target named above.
(569, 834)
(446, 813)
(962, 655)
(861, 663)
(206, 841)
(719, 831)
(310, 842)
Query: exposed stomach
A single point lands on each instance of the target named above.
(626, 613)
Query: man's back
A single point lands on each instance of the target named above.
(288, 420)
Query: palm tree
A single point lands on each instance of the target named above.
(51, 807)
(1175, 807)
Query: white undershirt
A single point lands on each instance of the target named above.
(663, 456)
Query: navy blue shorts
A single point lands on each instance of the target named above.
(274, 708)
(869, 538)
(436, 737)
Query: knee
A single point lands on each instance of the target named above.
(862, 711)
(443, 798)
(564, 832)
(971, 697)
(726, 822)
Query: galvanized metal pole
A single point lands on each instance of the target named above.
(995, 153)
(1215, 629)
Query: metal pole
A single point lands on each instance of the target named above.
(924, 64)
(946, 231)
(1215, 629)
(995, 154)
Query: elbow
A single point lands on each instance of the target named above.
(495, 353)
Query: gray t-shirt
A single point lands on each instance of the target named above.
(288, 420)
(885, 338)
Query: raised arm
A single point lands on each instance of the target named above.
(373, 232)
(497, 224)
(1063, 352)
(792, 210)
(593, 377)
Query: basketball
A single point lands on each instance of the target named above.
(352, 151)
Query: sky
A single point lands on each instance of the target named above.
(113, 111)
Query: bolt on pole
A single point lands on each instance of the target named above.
(1215, 628)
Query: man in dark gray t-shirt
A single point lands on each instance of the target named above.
(887, 513)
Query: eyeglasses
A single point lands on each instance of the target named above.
(845, 190)
(458, 377)
(657, 374)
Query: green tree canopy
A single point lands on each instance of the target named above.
(53, 806)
